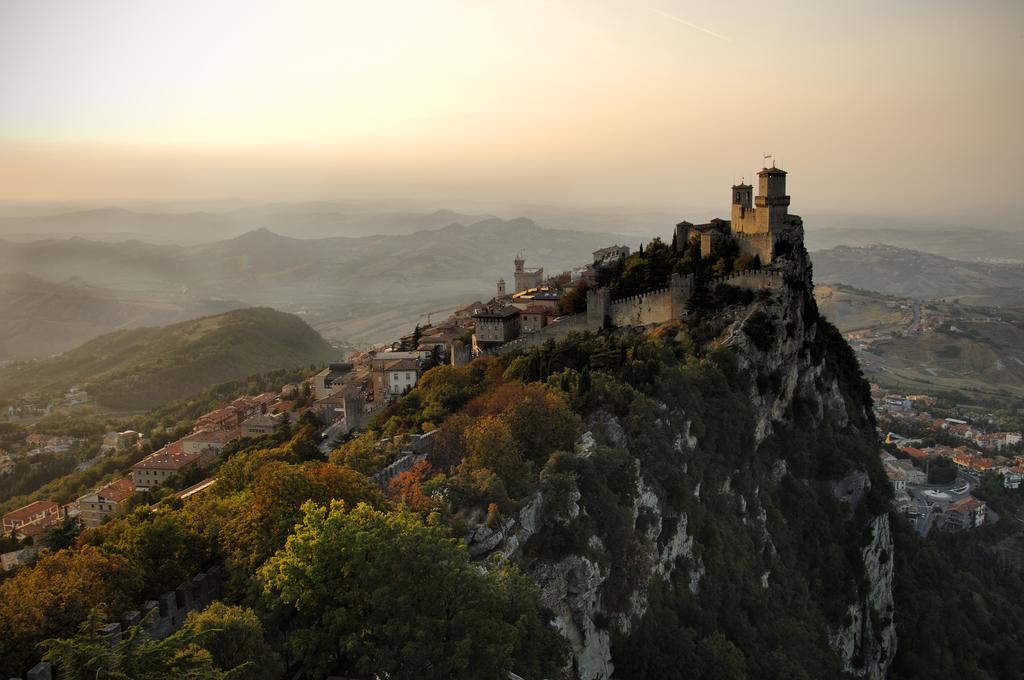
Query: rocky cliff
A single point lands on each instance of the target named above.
(734, 496)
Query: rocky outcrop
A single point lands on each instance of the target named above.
(866, 640)
(778, 357)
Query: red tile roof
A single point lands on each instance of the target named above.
(914, 453)
(117, 491)
(171, 457)
(24, 513)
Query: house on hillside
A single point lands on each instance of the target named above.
(36, 513)
(157, 468)
(331, 378)
(219, 419)
(208, 444)
(966, 513)
(96, 506)
(260, 425)
(536, 317)
(393, 370)
(495, 327)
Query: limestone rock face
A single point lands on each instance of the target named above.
(867, 644)
(783, 370)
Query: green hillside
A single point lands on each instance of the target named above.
(146, 367)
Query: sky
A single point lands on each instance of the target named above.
(910, 108)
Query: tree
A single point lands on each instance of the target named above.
(55, 596)
(370, 593)
(89, 655)
(160, 544)
(235, 638)
(491, 445)
(63, 535)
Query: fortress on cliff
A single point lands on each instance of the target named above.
(759, 224)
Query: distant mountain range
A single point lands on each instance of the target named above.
(911, 273)
(300, 220)
(144, 368)
(356, 290)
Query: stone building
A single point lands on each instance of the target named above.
(526, 278)
(758, 222)
(495, 327)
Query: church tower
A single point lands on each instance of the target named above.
(501, 287)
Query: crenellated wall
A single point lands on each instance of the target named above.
(752, 280)
(642, 309)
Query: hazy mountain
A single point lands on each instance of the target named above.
(364, 289)
(42, 317)
(911, 273)
(301, 220)
(958, 243)
(146, 367)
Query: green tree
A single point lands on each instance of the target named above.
(89, 655)
(161, 545)
(381, 593)
(234, 636)
(63, 535)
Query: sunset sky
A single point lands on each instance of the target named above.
(909, 107)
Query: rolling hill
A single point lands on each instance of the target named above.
(146, 367)
(930, 346)
(353, 290)
(911, 273)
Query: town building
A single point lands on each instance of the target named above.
(1013, 476)
(526, 278)
(966, 513)
(207, 444)
(347, 406)
(128, 440)
(95, 507)
(535, 317)
(35, 513)
(495, 327)
(260, 425)
(897, 477)
(225, 418)
(382, 373)
(610, 254)
(157, 468)
(543, 297)
(330, 378)
(400, 376)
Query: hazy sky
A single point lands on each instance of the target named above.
(873, 106)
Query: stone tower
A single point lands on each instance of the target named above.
(501, 287)
(771, 197)
(520, 264)
(742, 201)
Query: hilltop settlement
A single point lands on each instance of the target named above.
(739, 267)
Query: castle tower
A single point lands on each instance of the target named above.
(742, 200)
(501, 287)
(520, 263)
(684, 231)
(772, 202)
